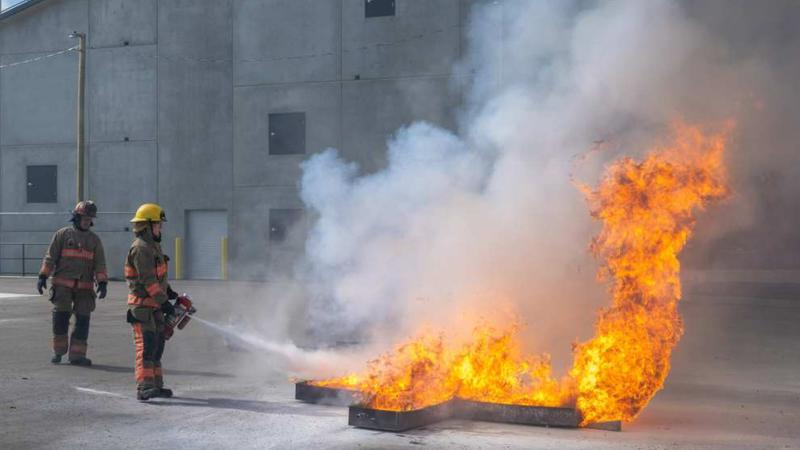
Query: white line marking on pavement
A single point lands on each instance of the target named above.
(98, 392)
(12, 295)
(18, 319)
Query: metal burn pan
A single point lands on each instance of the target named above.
(613, 425)
(542, 416)
(516, 414)
(309, 393)
(377, 419)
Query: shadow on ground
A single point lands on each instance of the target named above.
(248, 405)
(121, 369)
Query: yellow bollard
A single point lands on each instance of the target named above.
(178, 258)
(224, 257)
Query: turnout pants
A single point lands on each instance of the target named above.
(148, 339)
(66, 302)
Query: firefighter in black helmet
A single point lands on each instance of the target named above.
(76, 261)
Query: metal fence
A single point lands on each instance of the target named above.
(21, 258)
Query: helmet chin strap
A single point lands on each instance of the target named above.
(155, 238)
(76, 221)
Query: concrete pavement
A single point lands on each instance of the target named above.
(734, 384)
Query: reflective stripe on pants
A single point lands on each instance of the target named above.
(143, 341)
(149, 348)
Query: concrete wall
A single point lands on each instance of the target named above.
(37, 118)
(178, 98)
(195, 112)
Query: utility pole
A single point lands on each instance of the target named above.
(81, 107)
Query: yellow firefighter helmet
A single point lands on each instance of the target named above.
(149, 212)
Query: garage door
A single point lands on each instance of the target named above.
(204, 233)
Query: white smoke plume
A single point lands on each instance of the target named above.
(485, 222)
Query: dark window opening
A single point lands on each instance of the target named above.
(281, 222)
(378, 8)
(287, 134)
(42, 184)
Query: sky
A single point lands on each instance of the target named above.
(8, 3)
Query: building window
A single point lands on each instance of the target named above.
(287, 134)
(281, 222)
(42, 184)
(378, 8)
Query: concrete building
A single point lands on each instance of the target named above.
(208, 107)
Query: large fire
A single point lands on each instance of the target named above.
(429, 370)
(647, 213)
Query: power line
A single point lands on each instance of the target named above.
(38, 58)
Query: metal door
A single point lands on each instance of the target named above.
(205, 231)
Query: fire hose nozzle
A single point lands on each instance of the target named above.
(181, 317)
(186, 303)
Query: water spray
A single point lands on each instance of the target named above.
(296, 360)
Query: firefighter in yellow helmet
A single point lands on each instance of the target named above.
(146, 273)
(75, 260)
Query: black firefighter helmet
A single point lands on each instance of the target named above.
(85, 208)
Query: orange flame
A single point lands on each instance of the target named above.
(430, 370)
(647, 213)
(646, 209)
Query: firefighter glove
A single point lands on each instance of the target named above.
(102, 289)
(172, 295)
(167, 308)
(41, 285)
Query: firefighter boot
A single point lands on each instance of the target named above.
(145, 394)
(85, 362)
(56, 359)
(164, 392)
